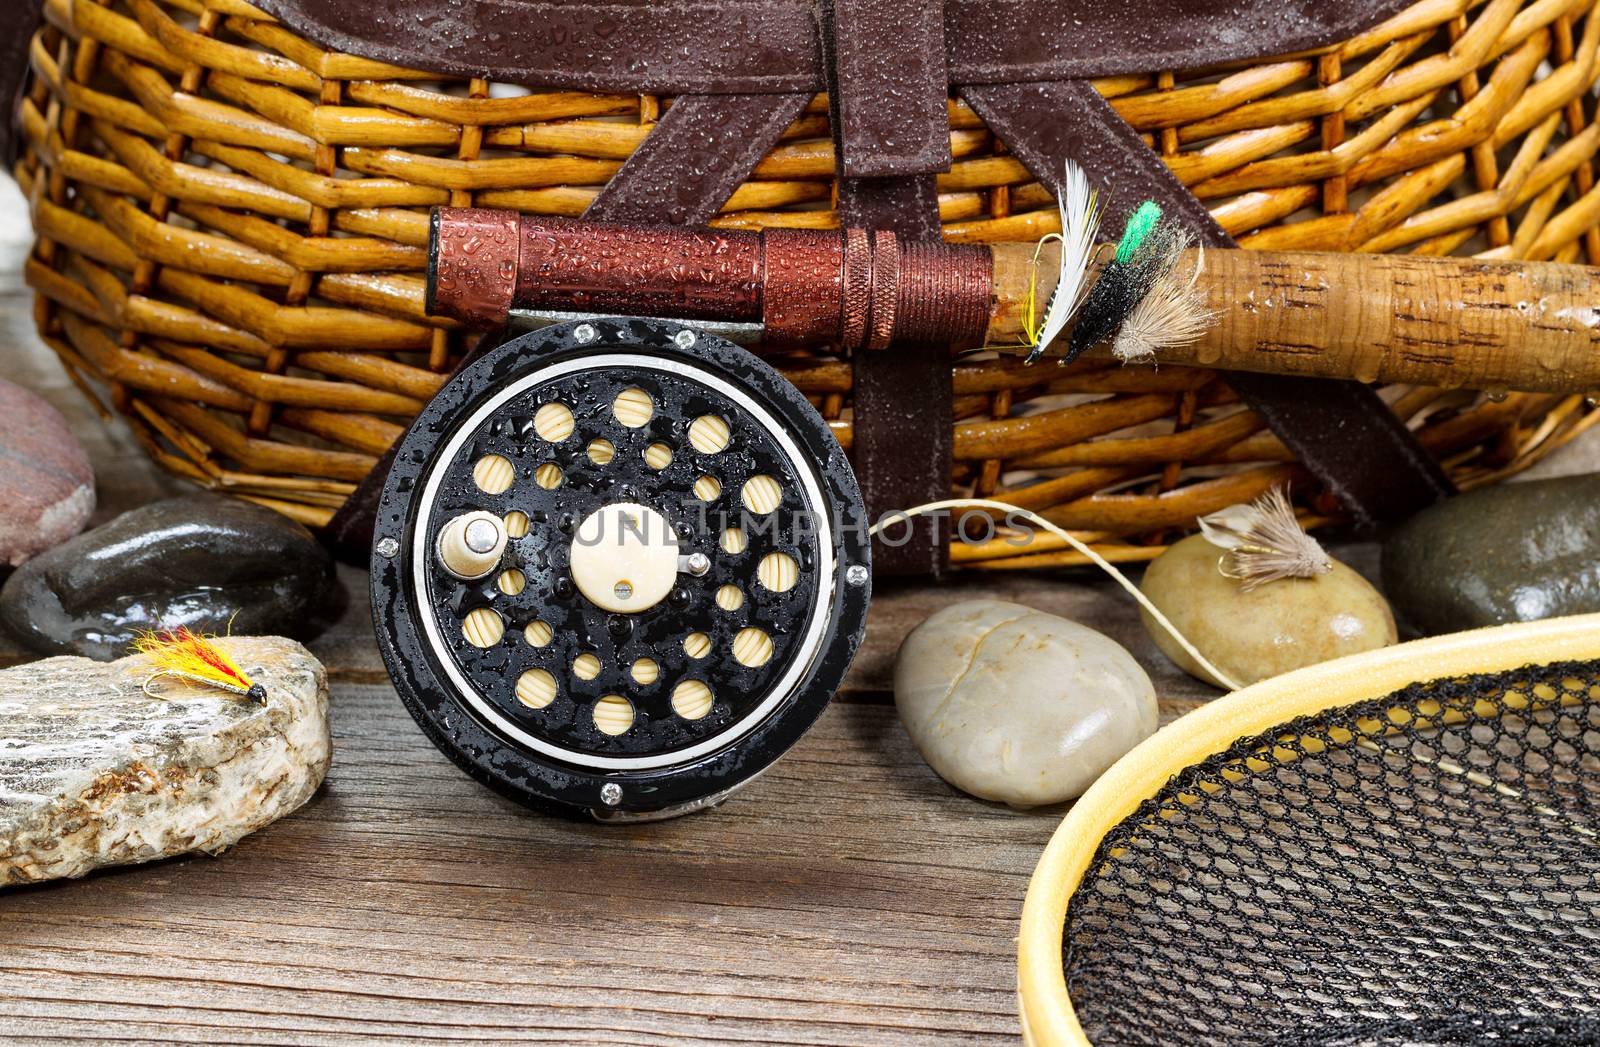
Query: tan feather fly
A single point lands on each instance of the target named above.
(1174, 313)
(1263, 542)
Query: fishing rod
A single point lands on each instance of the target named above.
(1435, 321)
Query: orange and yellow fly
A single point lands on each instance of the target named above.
(189, 656)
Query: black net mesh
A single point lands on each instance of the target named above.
(1421, 869)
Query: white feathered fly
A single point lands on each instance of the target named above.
(1080, 223)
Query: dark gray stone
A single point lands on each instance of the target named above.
(1513, 553)
(212, 563)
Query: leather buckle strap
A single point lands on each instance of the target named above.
(695, 157)
(891, 103)
(890, 109)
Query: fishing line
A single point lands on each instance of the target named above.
(1094, 557)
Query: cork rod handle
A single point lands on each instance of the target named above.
(1450, 322)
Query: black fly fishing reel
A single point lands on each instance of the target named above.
(618, 568)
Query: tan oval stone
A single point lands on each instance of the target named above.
(1276, 627)
(1015, 705)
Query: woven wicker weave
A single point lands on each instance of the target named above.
(232, 233)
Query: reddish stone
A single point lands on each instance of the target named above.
(46, 485)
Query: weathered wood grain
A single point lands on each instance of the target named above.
(847, 897)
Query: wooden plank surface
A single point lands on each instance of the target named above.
(847, 897)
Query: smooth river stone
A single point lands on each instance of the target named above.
(1278, 626)
(94, 773)
(1011, 704)
(46, 485)
(212, 563)
(1512, 553)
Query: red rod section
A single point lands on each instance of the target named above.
(846, 287)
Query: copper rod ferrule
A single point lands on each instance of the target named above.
(473, 261)
(850, 288)
(804, 302)
(857, 287)
(944, 295)
(885, 289)
(640, 270)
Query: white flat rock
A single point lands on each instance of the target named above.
(95, 773)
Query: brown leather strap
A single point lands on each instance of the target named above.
(903, 400)
(1342, 431)
(697, 155)
(18, 19)
(1350, 441)
(901, 452)
(890, 111)
(760, 46)
(1047, 124)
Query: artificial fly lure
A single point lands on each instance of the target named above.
(1263, 542)
(1140, 293)
(185, 655)
(1080, 222)
(1173, 314)
(1144, 254)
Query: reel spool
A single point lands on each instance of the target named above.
(620, 566)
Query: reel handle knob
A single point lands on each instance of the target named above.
(471, 545)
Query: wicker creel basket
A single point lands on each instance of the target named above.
(232, 229)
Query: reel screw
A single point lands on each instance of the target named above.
(585, 333)
(611, 794)
(481, 536)
(387, 547)
(698, 564)
(856, 574)
(685, 338)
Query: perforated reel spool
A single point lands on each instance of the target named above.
(618, 568)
